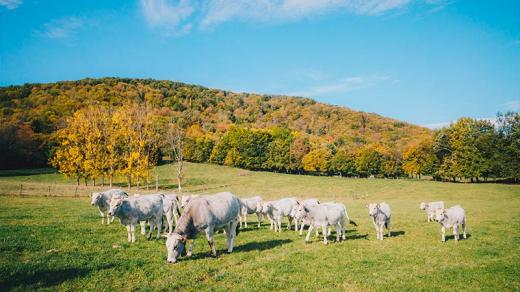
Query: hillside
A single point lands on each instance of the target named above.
(30, 113)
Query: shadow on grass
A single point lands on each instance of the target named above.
(264, 245)
(452, 237)
(26, 172)
(46, 278)
(398, 233)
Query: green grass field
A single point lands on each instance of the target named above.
(58, 243)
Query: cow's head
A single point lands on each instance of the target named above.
(300, 211)
(266, 207)
(184, 201)
(95, 198)
(439, 214)
(175, 245)
(115, 205)
(423, 206)
(372, 209)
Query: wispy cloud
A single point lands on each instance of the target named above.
(436, 126)
(513, 105)
(10, 4)
(61, 28)
(342, 85)
(182, 15)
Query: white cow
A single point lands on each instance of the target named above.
(138, 209)
(205, 214)
(276, 210)
(430, 208)
(451, 218)
(251, 205)
(102, 200)
(295, 215)
(381, 216)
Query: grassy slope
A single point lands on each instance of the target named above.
(59, 243)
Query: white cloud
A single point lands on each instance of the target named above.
(61, 28)
(343, 85)
(173, 15)
(10, 4)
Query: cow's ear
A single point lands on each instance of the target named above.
(305, 209)
(183, 238)
(377, 206)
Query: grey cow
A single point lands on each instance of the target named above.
(381, 216)
(138, 209)
(251, 205)
(102, 200)
(186, 199)
(451, 218)
(296, 215)
(205, 214)
(430, 207)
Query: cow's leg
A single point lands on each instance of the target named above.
(175, 218)
(464, 228)
(132, 231)
(443, 234)
(152, 225)
(245, 220)
(169, 221)
(301, 227)
(129, 231)
(343, 229)
(240, 220)
(102, 213)
(296, 224)
(325, 233)
(377, 230)
(190, 248)
(280, 223)
(271, 222)
(231, 235)
(456, 232)
(209, 237)
(159, 226)
(113, 218)
(338, 231)
(259, 217)
(388, 228)
(289, 220)
(143, 227)
(308, 233)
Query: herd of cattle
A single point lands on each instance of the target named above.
(224, 211)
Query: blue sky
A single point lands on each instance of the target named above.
(425, 61)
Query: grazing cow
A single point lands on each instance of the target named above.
(297, 219)
(102, 200)
(451, 218)
(325, 215)
(276, 210)
(251, 205)
(205, 214)
(430, 208)
(381, 216)
(138, 209)
(186, 199)
(171, 210)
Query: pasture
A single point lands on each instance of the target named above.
(58, 243)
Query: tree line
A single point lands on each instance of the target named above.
(129, 140)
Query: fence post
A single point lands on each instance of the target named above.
(156, 182)
(49, 190)
(76, 192)
(21, 189)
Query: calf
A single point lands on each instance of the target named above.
(381, 216)
(251, 205)
(451, 218)
(296, 217)
(102, 200)
(205, 214)
(138, 209)
(276, 210)
(430, 208)
(325, 215)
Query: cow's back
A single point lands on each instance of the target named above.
(216, 210)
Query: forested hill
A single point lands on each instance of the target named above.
(30, 113)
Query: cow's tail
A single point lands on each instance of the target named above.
(348, 218)
(237, 230)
